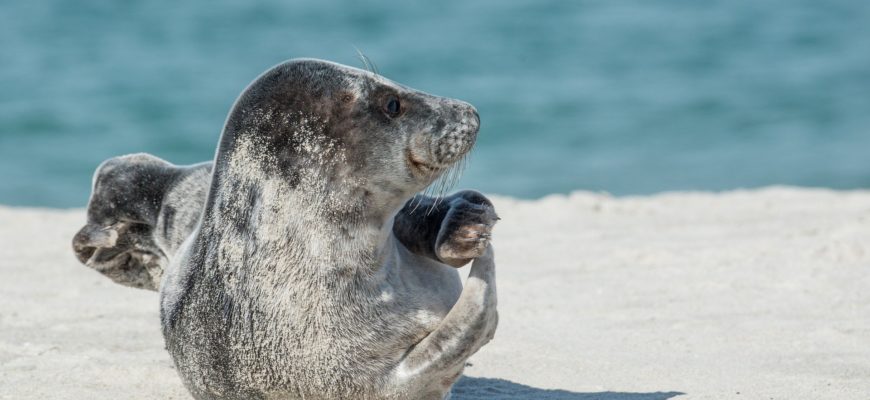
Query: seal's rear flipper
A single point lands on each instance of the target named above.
(127, 236)
(92, 237)
(122, 253)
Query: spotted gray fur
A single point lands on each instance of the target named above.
(313, 273)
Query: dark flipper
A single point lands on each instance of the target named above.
(121, 239)
(452, 230)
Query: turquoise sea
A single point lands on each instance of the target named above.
(627, 97)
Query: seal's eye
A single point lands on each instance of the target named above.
(392, 107)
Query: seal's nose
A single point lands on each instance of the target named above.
(470, 122)
(460, 135)
(475, 118)
(467, 116)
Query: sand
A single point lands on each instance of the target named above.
(761, 294)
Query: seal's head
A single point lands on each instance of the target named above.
(117, 240)
(353, 141)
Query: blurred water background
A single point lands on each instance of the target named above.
(628, 97)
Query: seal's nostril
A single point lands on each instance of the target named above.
(470, 117)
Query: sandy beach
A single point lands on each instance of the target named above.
(759, 294)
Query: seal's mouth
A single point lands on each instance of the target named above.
(419, 166)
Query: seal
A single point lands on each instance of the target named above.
(314, 271)
(140, 211)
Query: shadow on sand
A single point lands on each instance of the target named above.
(469, 388)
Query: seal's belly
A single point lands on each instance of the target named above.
(305, 340)
(227, 350)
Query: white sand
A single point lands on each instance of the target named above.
(750, 294)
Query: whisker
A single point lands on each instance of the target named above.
(363, 58)
(432, 188)
(374, 66)
(416, 201)
(444, 183)
(367, 62)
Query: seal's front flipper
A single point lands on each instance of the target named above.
(466, 229)
(418, 223)
(452, 230)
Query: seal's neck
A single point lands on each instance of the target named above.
(276, 229)
(317, 221)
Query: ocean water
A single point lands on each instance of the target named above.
(628, 97)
